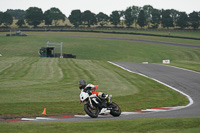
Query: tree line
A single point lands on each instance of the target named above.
(133, 16)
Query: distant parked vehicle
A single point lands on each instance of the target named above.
(18, 33)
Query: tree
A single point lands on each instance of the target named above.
(1, 18)
(17, 14)
(75, 18)
(102, 18)
(7, 19)
(182, 20)
(47, 18)
(122, 17)
(34, 16)
(141, 19)
(174, 14)
(115, 18)
(167, 20)
(53, 15)
(194, 19)
(89, 18)
(135, 13)
(156, 18)
(129, 18)
(20, 22)
(148, 13)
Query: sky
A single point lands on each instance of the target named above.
(96, 6)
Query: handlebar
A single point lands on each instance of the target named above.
(87, 91)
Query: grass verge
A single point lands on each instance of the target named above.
(154, 125)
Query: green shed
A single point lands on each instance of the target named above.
(47, 52)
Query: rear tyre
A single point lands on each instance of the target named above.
(92, 112)
(116, 111)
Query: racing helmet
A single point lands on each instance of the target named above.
(82, 84)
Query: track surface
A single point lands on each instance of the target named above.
(184, 80)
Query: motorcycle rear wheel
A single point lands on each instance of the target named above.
(115, 111)
(92, 112)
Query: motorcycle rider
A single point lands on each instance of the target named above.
(92, 90)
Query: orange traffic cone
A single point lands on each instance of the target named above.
(44, 112)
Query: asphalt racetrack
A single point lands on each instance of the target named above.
(183, 80)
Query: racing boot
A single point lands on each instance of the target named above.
(109, 98)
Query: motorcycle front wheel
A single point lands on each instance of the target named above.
(91, 111)
(115, 111)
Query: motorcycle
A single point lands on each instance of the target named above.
(94, 104)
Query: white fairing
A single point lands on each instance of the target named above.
(83, 96)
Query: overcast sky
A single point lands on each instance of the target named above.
(96, 6)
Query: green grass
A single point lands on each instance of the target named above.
(106, 49)
(154, 125)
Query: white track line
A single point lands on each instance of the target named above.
(44, 118)
(28, 119)
(81, 116)
(174, 108)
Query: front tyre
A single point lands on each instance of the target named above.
(91, 111)
(115, 111)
